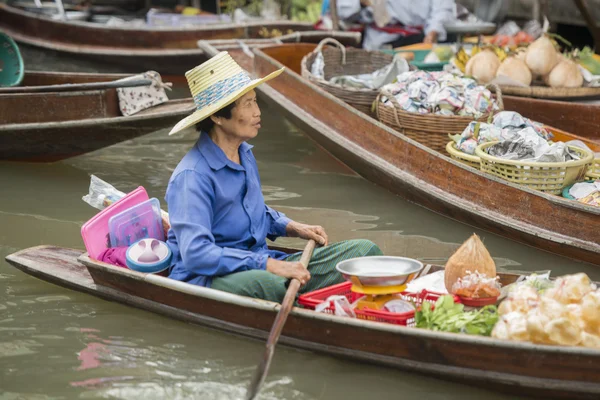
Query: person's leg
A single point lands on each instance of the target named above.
(258, 284)
(324, 259)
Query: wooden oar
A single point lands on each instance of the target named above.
(288, 301)
(70, 87)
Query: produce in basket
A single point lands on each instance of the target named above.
(565, 74)
(483, 66)
(541, 56)
(470, 256)
(515, 69)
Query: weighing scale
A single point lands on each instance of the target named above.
(379, 278)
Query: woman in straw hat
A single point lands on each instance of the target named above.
(219, 220)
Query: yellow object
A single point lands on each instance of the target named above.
(190, 11)
(593, 172)
(377, 289)
(467, 159)
(374, 302)
(215, 84)
(548, 177)
(416, 46)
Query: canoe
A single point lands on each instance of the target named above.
(421, 175)
(514, 367)
(165, 50)
(52, 126)
(579, 118)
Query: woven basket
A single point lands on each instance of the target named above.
(346, 61)
(468, 159)
(545, 92)
(593, 171)
(429, 129)
(549, 177)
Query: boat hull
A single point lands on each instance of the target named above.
(46, 127)
(165, 50)
(518, 368)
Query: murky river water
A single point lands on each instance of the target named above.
(60, 344)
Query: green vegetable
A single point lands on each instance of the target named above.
(587, 61)
(448, 316)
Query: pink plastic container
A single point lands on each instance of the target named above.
(95, 232)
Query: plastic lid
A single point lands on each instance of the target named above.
(149, 255)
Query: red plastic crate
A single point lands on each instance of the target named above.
(312, 299)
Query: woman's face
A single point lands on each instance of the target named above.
(245, 118)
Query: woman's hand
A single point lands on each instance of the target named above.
(303, 231)
(431, 38)
(289, 270)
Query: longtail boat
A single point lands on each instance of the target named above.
(420, 174)
(52, 126)
(519, 368)
(162, 49)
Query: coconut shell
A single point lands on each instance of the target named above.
(471, 256)
(516, 70)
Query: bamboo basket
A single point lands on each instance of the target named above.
(545, 92)
(548, 177)
(432, 130)
(346, 61)
(593, 172)
(467, 159)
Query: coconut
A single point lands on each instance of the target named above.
(483, 66)
(541, 56)
(516, 70)
(565, 74)
(471, 256)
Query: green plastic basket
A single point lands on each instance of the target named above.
(418, 61)
(11, 63)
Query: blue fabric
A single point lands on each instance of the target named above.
(219, 219)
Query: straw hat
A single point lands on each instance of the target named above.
(215, 84)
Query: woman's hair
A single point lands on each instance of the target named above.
(207, 124)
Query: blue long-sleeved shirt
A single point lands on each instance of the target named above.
(219, 220)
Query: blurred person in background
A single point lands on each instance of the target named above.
(398, 23)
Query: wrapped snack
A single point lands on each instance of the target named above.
(590, 311)
(512, 326)
(468, 146)
(563, 331)
(341, 306)
(509, 119)
(476, 285)
(570, 288)
(470, 256)
(521, 299)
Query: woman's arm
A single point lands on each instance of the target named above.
(440, 12)
(190, 197)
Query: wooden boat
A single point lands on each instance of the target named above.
(515, 367)
(582, 119)
(420, 174)
(166, 50)
(52, 126)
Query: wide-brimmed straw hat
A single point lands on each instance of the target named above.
(215, 84)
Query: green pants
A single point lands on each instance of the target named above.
(265, 285)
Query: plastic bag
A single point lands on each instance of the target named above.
(102, 194)
(477, 285)
(341, 306)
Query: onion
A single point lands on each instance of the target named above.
(566, 74)
(541, 56)
(483, 66)
(516, 70)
